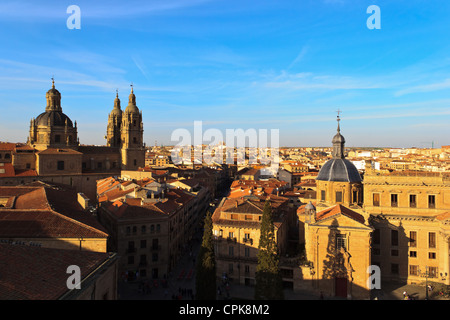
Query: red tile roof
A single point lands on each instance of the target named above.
(34, 273)
(46, 211)
(337, 210)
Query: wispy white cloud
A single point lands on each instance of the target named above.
(140, 65)
(309, 81)
(299, 57)
(442, 85)
(31, 10)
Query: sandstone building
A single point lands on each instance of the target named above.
(53, 151)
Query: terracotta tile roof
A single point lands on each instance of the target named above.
(34, 273)
(59, 151)
(123, 210)
(45, 211)
(7, 170)
(7, 146)
(337, 210)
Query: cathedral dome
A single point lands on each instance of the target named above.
(56, 118)
(339, 170)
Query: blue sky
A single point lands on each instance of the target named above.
(277, 64)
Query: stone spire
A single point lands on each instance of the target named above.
(132, 102)
(53, 99)
(338, 142)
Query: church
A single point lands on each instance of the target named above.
(54, 153)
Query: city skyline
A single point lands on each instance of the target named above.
(286, 65)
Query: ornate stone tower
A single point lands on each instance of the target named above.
(52, 128)
(113, 138)
(132, 135)
(338, 181)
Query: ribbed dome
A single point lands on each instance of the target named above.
(56, 117)
(339, 170)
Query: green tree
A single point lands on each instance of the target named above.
(205, 280)
(269, 284)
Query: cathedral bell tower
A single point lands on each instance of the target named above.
(113, 138)
(132, 136)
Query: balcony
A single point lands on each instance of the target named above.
(247, 240)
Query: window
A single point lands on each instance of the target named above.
(414, 270)
(230, 268)
(247, 252)
(130, 259)
(28, 165)
(99, 165)
(143, 260)
(7, 156)
(247, 269)
(143, 244)
(413, 254)
(322, 195)
(412, 201)
(394, 200)
(432, 240)
(432, 272)
(431, 255)
(413, 239)
(231, 251)
(340, 241)
(154, 257)
(376, 199)
(143, 229)
(131, 246)
(355, 196)
(155, 244)
(394, 268)
(338, 196)
(394, 253)
(394, 237)
(57, 138)
(431, 201)
(60, 165)
(376, 236)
